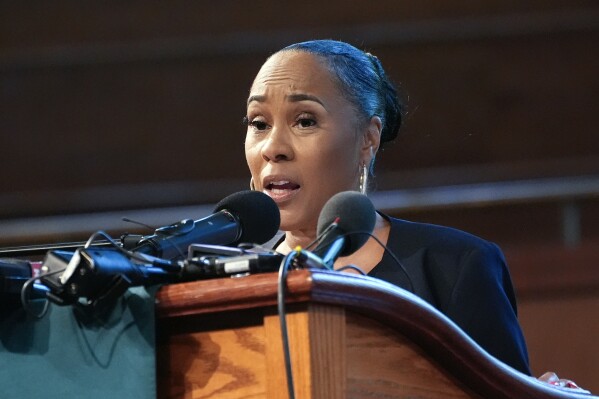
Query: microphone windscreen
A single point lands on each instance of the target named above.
(356, 213)
(257, 213)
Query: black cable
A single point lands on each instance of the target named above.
(387, 250)
(321, 235)
(142, 224)
(101, 321)
(395, 258)
(143, 258)
(353, 267)
(169, 239)
(281, 294)
(25, 290)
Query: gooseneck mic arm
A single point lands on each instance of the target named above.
(344, 225)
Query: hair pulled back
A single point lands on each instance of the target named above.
(362, 79)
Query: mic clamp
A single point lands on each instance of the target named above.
(96, 274)
(306, 259)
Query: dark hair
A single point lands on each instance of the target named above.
(362, 79)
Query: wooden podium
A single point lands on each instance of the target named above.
(350, 337)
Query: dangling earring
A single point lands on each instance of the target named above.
(252, 187)
(364, 179)
(365, 171)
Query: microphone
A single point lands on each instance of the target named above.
(97, 273)
(246, 216)
(103, 273)
(344, 223)
(245, 263)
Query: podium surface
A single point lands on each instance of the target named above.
(350, 336)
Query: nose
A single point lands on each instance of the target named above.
(278, 147)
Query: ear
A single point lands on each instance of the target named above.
(371, 139)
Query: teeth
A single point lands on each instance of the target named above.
(279, 183)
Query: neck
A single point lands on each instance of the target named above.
(303, 238)
(295, 238)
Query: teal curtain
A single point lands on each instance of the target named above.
(75, 353)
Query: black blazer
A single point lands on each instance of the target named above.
(464, 277)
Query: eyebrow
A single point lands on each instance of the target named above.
(259, 98)
(294, 98)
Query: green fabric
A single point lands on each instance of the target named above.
(71, 354)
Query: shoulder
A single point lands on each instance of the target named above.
(422, 236)
(447, 258)
(459, 267)
(466, 278)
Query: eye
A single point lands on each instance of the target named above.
(256, 123)
(305, 121)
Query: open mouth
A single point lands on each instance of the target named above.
(277, 186)
(281, 190)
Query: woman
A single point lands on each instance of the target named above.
(317, 114)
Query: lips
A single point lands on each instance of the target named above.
(280, 189)
(282, 185)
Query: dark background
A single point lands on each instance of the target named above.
(114, 108)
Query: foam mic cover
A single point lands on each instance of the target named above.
(256, 212)
(356, 214)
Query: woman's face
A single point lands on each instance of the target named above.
(304, 141)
